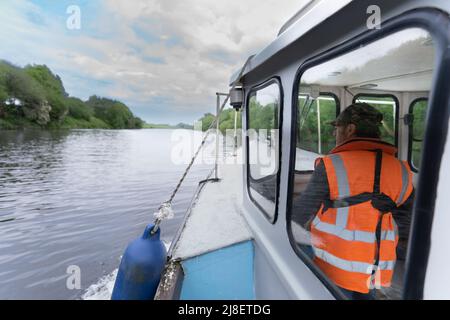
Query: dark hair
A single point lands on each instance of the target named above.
(368, 131)
(365, 117)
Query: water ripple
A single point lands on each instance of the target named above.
(77, 198)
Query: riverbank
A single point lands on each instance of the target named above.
(67, 123)
(168, 126)
(35, 97)
(73, 123)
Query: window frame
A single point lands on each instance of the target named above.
(411, 133)
(397, 109)
(338, 111)
(273, 80)
(434, 138)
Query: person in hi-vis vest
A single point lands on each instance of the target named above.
(357, 205)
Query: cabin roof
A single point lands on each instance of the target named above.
(310, 15)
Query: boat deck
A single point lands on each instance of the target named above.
(215, 220)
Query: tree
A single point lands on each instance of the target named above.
(55, 93)
(206, 121)
(78, 109)
(38, 94)
(20, 86)
(113, 112)
(49, 81)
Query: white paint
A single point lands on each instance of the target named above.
(437, 281)
(215, 220)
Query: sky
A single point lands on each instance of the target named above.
(165, 59)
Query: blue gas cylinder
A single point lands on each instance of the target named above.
(141, 267)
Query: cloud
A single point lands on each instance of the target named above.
(163, 58)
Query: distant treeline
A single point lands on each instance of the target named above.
(168, 126)
(226, 120)
(34, 96)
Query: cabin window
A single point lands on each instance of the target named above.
(388, 106)
(314, 132)
(332, 242)
(263, 119)
(418, 111)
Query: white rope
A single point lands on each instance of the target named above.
(165, 210)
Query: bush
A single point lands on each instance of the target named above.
(44, 101)
(116, 114)
(78, 109)
(59, 108)
(20, 86)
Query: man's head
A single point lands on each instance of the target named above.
(359, 120)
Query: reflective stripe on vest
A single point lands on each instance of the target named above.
(405, 178)
(353, 235)
(350, 257)
(349, 235)
(343, 190)
(339, 229)
(351, 266)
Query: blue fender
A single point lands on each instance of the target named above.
(141, 267)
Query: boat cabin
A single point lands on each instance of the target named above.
(324, 60)
(327, 57)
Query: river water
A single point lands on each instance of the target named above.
(77, 198)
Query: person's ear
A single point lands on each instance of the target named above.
(351, 130)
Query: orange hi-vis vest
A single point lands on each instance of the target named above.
(354, 235)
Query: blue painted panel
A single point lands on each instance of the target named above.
(222, 274)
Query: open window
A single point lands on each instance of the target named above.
(400, 64)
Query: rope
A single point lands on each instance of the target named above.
(165, 210)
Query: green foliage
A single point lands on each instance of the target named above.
(78, 109)
(136, 123)
(115, 113)
(18, 85)
(50, 82)
(184, 126)
(3, 94)
(43, 100)
(419, 111)
(55, 93)
(167, 126)
(226, 120)
(308, 133)
(59, 107)
(207, 120)
(3, 97)
(13, 123)
(263, 117)
(388, 111)
(73, 123)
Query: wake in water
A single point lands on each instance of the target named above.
(103, 288)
